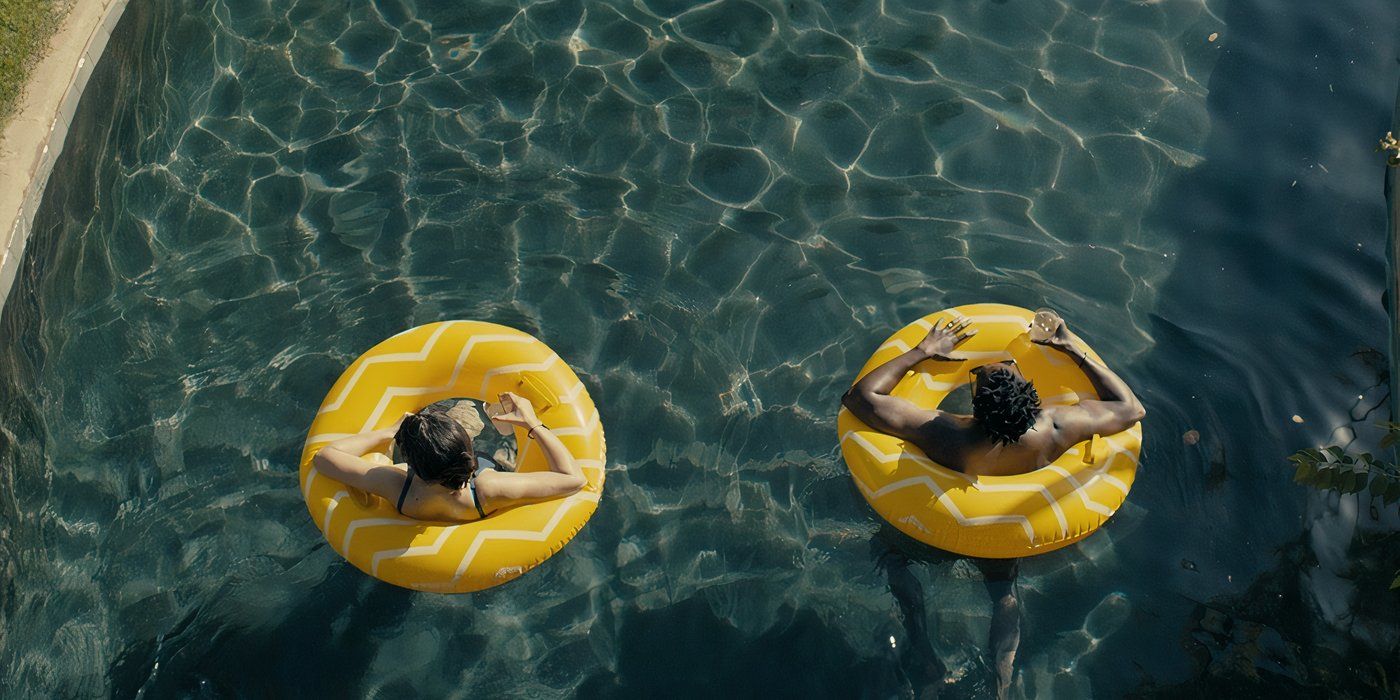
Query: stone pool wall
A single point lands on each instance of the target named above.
(34, 139)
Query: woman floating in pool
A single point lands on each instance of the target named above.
(444, 478)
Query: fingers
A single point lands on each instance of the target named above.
(951, 325)
(962, 337)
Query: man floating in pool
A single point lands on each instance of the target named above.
(1009, 432)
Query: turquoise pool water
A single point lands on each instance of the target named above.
(714, 213)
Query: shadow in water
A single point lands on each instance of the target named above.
(338, 624)
(685, 650)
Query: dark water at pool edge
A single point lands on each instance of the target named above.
(1245, 253)
(1180, 331)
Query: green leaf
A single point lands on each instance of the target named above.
(1396, 583)
(1350, 480)
(1379, 484)
(1306, 472)
(1360, 479)
(1389, 438)
(1337, 453)
(1327, 476)
(1353, 481)
(1392, 492)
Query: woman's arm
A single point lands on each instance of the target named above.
(870, 398)
(564, 478)
(342, 460)
(357, 445)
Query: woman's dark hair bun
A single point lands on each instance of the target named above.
(436, 447)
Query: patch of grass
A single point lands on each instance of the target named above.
(25, 28)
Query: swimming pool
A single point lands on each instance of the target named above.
(713, 215)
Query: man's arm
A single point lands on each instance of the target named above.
(1117, 407)
(870, 398)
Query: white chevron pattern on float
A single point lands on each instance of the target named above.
(991, 355)
(419, 356)
(1079, 489)
(310, 477)
(392, 392)
(418, 551)
(952, 508)
(882, 456)
(371, 522)
(1114, 450)
(330, 509)
(589, 426)
(572, 394)
(523, 535)
(985, 319)
(327, 437)
(932, 385)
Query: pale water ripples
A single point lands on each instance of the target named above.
(714, 212)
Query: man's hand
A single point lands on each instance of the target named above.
(941, 340)
(1062, 340)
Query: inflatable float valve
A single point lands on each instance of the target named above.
(1089, 449)
(538, 392)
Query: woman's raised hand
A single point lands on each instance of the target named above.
(517, 410)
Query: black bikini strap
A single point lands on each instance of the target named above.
(476, 497)
(404, 493)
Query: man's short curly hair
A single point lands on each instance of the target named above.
(1004, 405)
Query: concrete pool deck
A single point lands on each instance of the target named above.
(34, 139)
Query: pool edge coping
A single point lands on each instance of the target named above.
(34, 139)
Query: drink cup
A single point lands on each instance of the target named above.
(496, 409)
(1044, 325)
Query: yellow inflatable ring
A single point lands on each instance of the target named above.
(411, 370)
(989, 516)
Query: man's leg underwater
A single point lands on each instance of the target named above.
(999, 576)
(921, 663)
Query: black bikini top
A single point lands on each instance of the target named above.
(482, 462)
